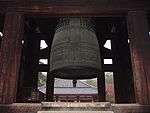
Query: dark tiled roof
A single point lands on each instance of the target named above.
(75, 91)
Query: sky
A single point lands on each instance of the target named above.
(1, 34)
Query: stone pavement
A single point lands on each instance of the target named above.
(76, 107)
(75, 112)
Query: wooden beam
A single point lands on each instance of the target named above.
(108, 67)
(44, 54)
(43, 68)
(78, 7)
(107, 53)
(109, 36)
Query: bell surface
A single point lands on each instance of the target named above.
(75, 52)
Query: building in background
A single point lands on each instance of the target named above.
(64, 91)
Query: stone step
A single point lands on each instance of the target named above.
(75, 112)
(74, 104)
(69, 107)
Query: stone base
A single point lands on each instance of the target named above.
(75, 107)
(75, 112)
(74, 104)
(35, 107)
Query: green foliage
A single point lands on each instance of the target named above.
(41, 79)
(108, 79)
(92, 82)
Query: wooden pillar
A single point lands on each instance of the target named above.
(1, 28)
(123, 77)
(50, 88)
(140, 54)
(28, 81)
(10, 56)
(32, 63)
(101, 87)
(50, 80)
(0, 41)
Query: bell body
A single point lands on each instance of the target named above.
(75, 52)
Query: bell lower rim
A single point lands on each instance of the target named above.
(75, 72)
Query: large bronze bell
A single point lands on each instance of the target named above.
(75, 52)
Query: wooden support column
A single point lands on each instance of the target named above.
(35, 62)
(0, 41)
(140, 54)
(1, 28)
(50, 88)
(50, 79)
(10, 56)
(101, 87)
(30, 63)
(101, 79)
(123, 77)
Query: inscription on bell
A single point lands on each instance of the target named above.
(75, 52)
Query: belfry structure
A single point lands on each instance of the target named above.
(75, 34)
